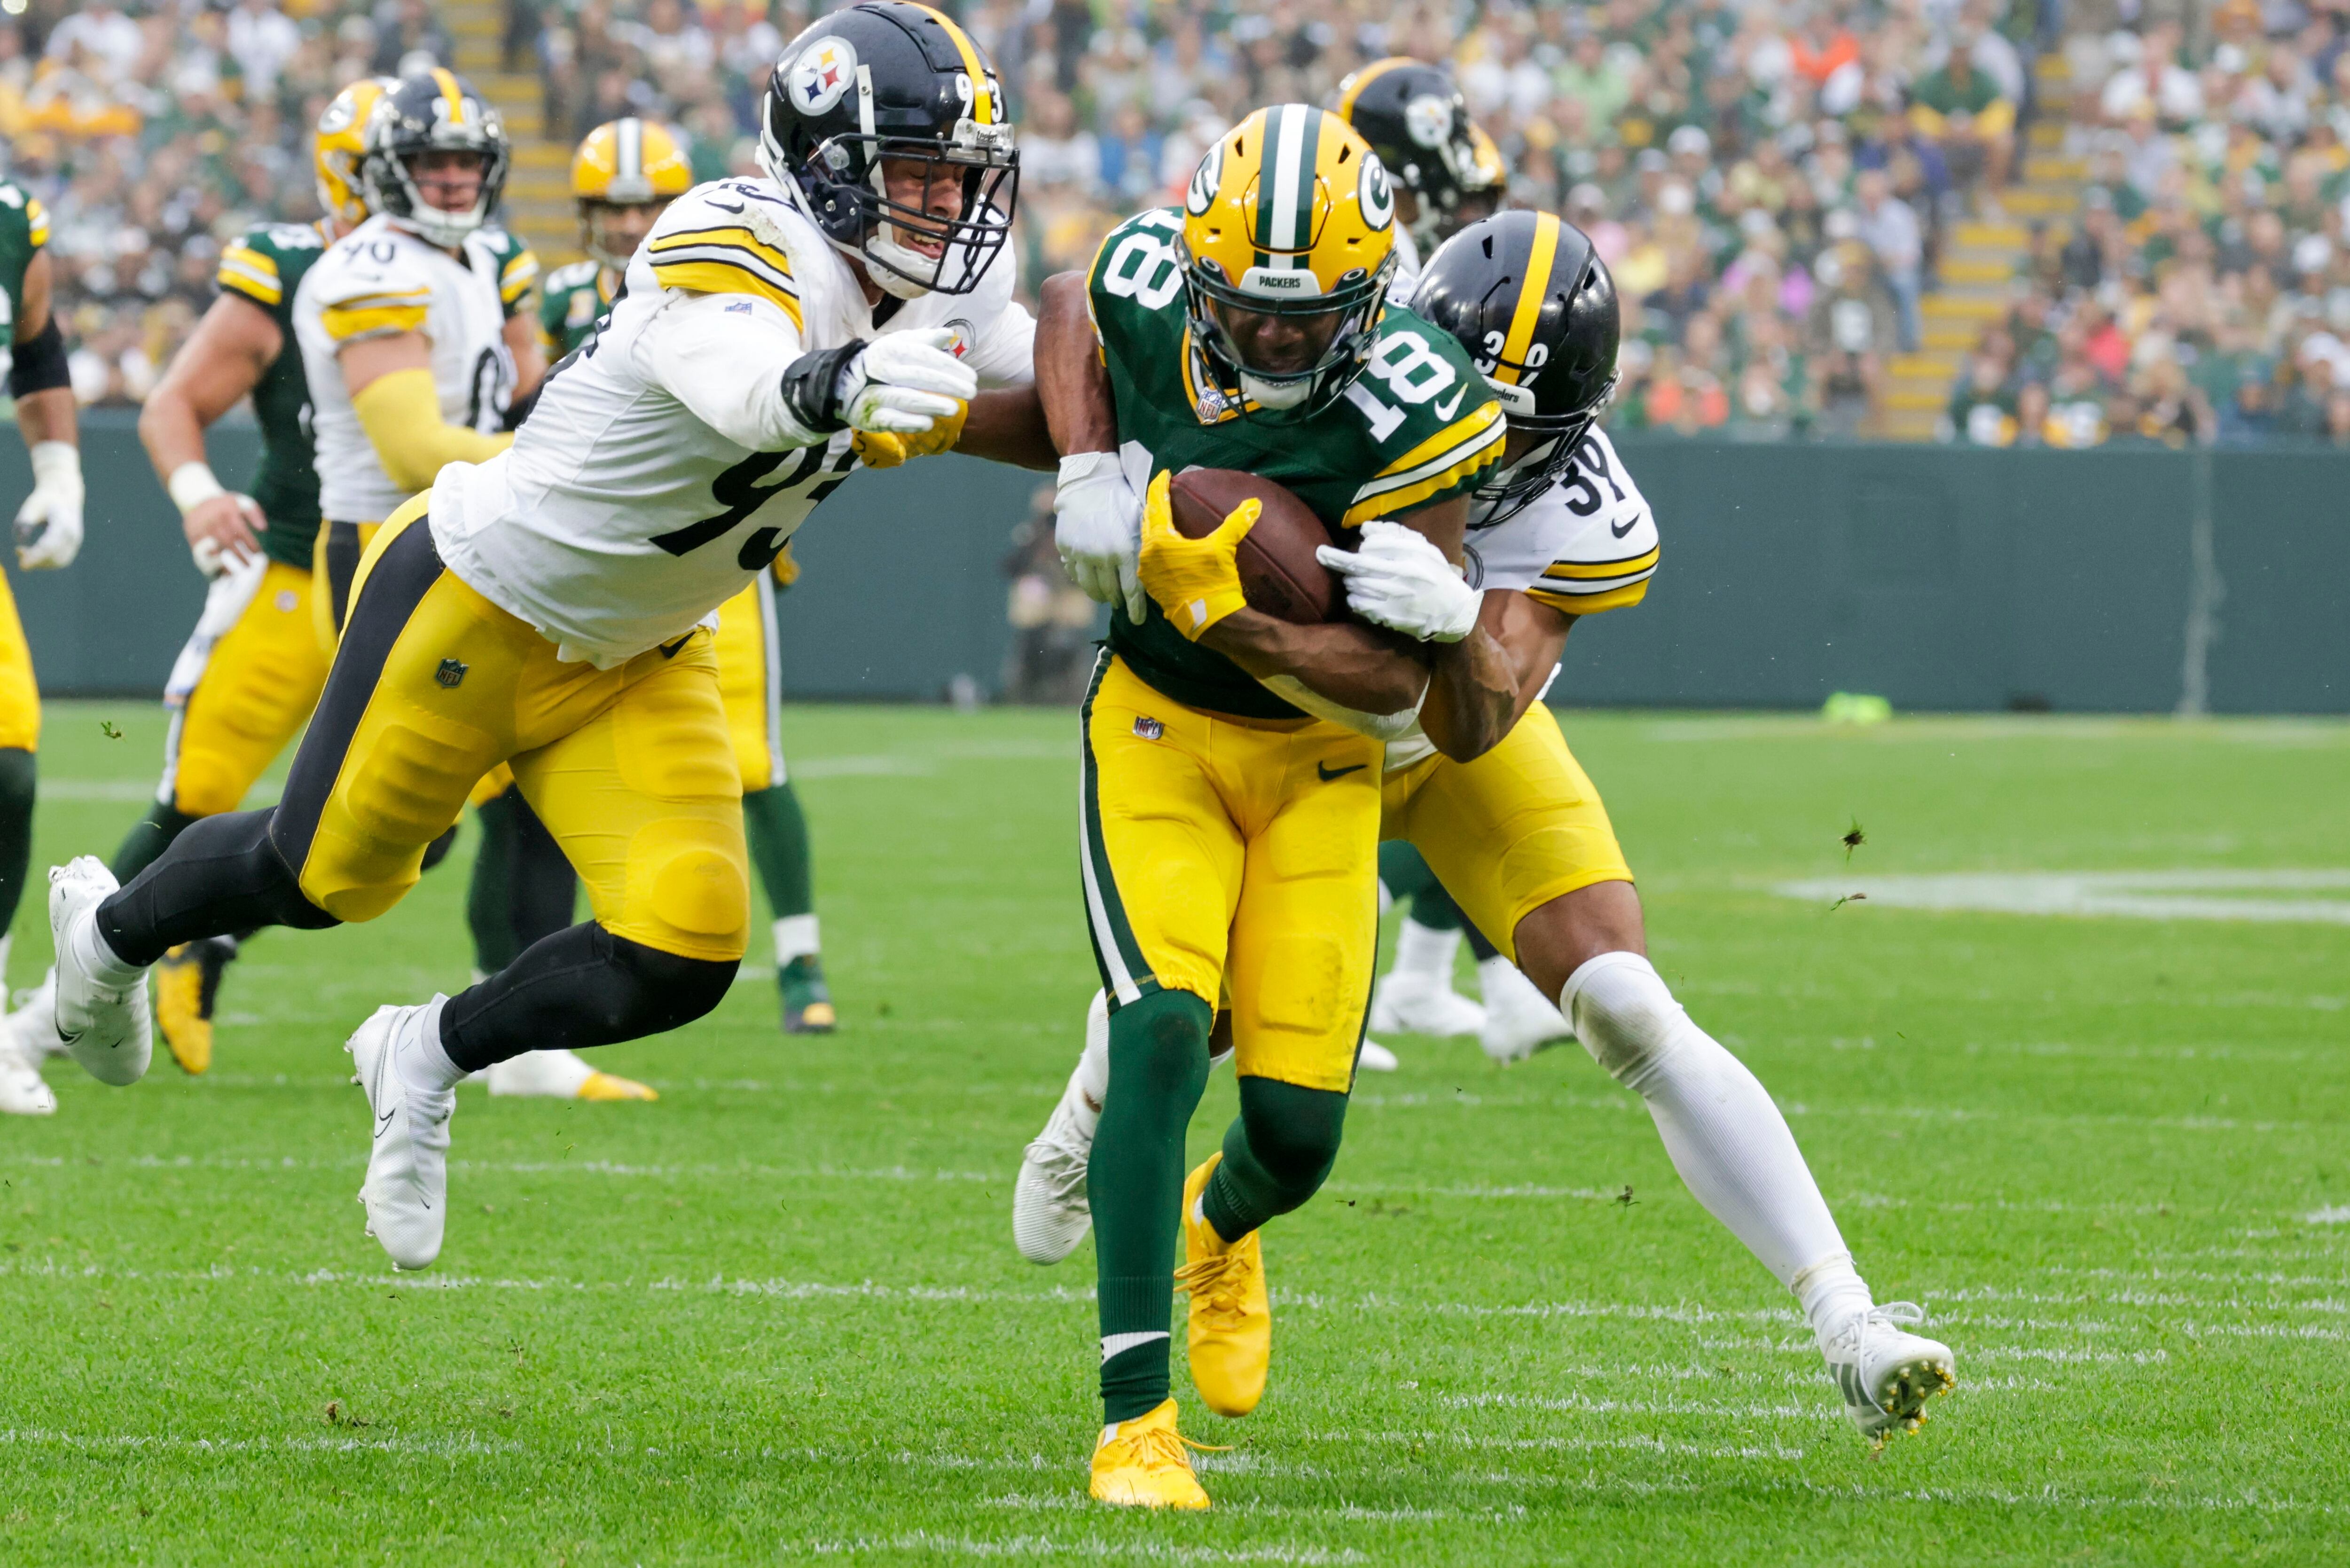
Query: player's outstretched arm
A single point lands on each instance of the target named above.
(48, 525)
(1097, 516)
(221, 363)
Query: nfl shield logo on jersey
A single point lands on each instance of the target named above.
(451, 672)
(1148, 728)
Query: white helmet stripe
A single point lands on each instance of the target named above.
(630, 157)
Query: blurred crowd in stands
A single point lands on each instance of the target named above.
(1775, 183)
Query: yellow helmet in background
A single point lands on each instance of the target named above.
(341, 141)
(1289, 216)
(625, 163)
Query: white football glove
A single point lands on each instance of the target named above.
(1401, 581)
(48, 525)
(900, 383)
(1097, 525)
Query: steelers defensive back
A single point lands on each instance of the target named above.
(548, 608)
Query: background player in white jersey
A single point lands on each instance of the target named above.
(550, 607)
(1520, 834)
(48, 534)
(1447, 174)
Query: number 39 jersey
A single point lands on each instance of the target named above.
(1585, 544)
(620, 517)
(382, 280)
(1418, 427)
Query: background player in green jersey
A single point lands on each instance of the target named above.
(1230, 829)
(48, 534)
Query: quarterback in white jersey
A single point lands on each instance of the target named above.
(546, 609)
(1518, 834)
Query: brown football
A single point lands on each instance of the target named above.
(1277, 565)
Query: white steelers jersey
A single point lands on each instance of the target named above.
(1587, 544)
(620, 518)
(382, 280)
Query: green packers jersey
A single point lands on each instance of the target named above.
(517, 269)
(574, 299)
(264, 267)
(1418, 427)
(23, 230)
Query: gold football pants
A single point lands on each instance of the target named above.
(20, 697)
(1237, 857)
(750, 682)
(251, 689)
(433, 686)
(1509, 832)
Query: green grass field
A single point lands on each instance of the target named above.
(778, 1316)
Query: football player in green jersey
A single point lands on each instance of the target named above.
(1230, 829)
(48, 534)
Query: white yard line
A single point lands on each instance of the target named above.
(2187, 894)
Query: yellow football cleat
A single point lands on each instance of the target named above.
(180, 1007)
(613, 1086)
(1141, 1463)
(1231, 1313)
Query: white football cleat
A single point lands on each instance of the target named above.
(1375, 1057)
(407, 1187)
(1885, 1372)
(31, 1029)
(1050, 1212)
(22, 1091)
(1405, 1004)
(109, 1029)
(1519, 1019)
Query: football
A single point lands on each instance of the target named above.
(1279, 571)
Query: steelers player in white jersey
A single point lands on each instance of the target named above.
(1447, 174)
(48, 534)
(549, 608)
(1519, 833)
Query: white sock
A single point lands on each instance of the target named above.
(1726, 1137)
(424, 1066)
(1425, 953)
(97, 960)
(1830, 1293)
(795, 937)
(1093, 1064)
(1499, 982)
(7, 943)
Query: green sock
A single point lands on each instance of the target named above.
(778, 835)
(17, 789)
(487, 906)
(1277, 1153)
(1158, 1069)
(147, 838)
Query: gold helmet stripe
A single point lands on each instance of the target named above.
(1364, 78)
(1531, 293)
(449, 95)
(983, 102)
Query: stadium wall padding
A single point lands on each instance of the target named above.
(1941, 577)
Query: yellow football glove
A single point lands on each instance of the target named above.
(786, 566)
(1196, 581)
(879, 448)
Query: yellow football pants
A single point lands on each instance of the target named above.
(750, 682)
(20, 697)
(256, 688)
(1235, 857)
(1509, 832)
(433, 686)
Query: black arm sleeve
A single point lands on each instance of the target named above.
(39, 364)
(812, 387)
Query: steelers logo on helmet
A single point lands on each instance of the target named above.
(823, 75)
(888, 124)
(1205, 181)
(1429, 120)
(1288, 246)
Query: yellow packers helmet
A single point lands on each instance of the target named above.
(1288, 249)
(625, 163)
(341, 141)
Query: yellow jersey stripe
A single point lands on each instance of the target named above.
(1531, 294)
(1591, 604)
(264, 288)
(1478, 452)
(1364, 78)
(1466, 427)
(37, 217)
(519, 274)
(726, 277)
(345, 323)
(1588, 570)
(733, 235)
(983, 102)
(260, 262)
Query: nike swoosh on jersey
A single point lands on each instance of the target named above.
(1627, 527)
(1447, 410)
(1329, 772)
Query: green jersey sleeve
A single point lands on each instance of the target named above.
(517, 270)
(264, 265)
(570, 302)
(23, 230)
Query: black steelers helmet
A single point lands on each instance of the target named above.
(1416, 120)
(433, 110)
(1532, 304)
(888, 79)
